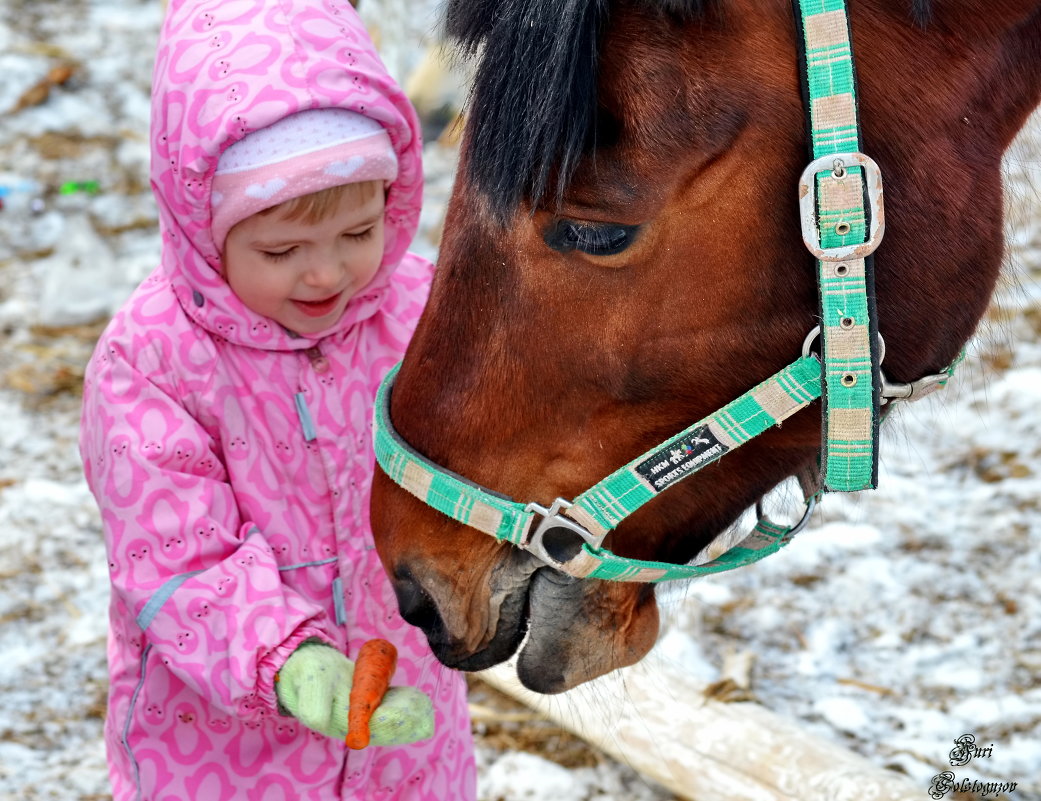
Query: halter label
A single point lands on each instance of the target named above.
(691, 452)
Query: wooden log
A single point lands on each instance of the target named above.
(661, 723)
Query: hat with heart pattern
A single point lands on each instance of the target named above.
(300, 154)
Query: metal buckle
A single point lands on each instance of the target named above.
(836, 163)
(558, 539)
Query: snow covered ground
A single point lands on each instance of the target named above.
(899, 621)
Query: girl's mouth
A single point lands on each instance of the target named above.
(318, 308)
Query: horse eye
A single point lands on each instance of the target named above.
(596, 240)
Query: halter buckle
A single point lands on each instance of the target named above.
(557, 539)
(838, 164)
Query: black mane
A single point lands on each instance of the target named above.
(533, 100)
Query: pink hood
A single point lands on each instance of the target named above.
(225, 68)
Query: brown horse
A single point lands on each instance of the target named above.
(622, 257)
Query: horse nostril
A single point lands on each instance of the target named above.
(415, 605)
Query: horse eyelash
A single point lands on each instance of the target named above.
(596, 240)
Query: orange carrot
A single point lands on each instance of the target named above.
(372, 672)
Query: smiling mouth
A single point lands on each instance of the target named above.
(318, 308)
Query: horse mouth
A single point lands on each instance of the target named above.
(563, 631)
(497, 645)
(538, 661)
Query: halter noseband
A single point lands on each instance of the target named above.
(840, 202)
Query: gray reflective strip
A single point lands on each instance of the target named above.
(338, 605)
(308, 564)
(125, 739)
(155, 603)
(305, 416)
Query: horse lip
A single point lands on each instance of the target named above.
(512, 579)
(536, 675)
(501, 646)
(511, 628)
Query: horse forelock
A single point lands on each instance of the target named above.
(533, 102)
(534, 96)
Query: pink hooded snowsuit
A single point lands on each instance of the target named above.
(232, 459)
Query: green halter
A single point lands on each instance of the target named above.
(842, 231)
(840, 197)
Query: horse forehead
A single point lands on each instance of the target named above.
(669, 85)
(614, 183)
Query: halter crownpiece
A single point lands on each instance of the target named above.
(840, 200)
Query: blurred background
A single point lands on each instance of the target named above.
(899, 621)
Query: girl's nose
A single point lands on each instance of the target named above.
(326, 273)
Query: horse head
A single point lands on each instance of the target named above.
(622, 256)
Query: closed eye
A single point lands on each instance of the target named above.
(278, 255)
(599, 239)
(360, 236)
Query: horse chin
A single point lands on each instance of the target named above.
(579, 630)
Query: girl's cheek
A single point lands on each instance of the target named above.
(292, 279)
(282, 279)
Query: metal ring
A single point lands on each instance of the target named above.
(807, 344)
(842, 228)
(810, 337)
(811, 504)
(559, 552)
(847, 322)
(848, 380)
(841, 270)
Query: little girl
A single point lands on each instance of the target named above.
(226, 424)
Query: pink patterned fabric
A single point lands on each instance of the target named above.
(232, 459)
(304, 153)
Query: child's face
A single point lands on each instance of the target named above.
(302, 274)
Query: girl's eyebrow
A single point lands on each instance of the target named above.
(274, 245)
(372, 219)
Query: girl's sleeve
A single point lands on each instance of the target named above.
(201, 584)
